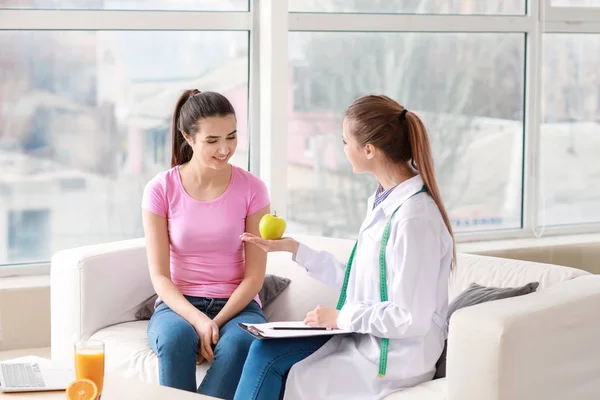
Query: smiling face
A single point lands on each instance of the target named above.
(215, 141)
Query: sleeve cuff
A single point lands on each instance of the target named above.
(344, 320)
(154, 211)
(303, 256)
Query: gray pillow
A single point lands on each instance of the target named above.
(146, 308)
(273, 285)
(477, 294)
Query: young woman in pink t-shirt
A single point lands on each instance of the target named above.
(206, 279)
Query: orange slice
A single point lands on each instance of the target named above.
(82, 389)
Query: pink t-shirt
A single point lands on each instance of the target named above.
(207, 255)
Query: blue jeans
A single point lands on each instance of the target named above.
(175, 342)
(268, 364)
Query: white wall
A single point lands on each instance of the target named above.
(24, 313)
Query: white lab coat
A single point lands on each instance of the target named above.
(418, 257)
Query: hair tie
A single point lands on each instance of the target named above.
(403, 114)
(191, 93)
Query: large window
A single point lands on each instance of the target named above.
(570, 132)
(468, 88)
(508, 89)
(85, 123)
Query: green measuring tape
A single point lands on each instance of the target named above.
(382, 282)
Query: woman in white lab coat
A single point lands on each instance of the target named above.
(395, 304)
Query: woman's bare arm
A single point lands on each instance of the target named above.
(157, 248)
(256, 264)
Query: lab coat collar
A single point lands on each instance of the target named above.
(400, 194)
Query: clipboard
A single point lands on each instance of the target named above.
(288, 329)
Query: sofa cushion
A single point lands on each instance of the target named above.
(477, 294)
(501, 272)
(128, 353)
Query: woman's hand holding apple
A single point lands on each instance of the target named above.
(284, 244)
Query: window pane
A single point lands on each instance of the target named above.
(510, 7)
(181, 5)
(576, 3)
(85, 123)
(468, 88)
(570, 132)
(28, 232)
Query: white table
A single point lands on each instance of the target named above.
(115, 387)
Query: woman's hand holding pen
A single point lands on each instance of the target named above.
(322, 317)
(284, 244)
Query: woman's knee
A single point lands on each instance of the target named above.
(234, 347)
(174, 337)
(256, 347)
(260, 352)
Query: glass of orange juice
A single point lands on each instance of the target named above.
(89, 362)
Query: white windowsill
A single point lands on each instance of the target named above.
(24, 282)
(527, 243)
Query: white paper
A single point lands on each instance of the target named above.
(266, 330)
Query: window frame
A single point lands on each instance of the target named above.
(143, 20)
(555, 19)
(527, 24)
(92, 20)
(269, 23)
(540, 18)
(574, 15)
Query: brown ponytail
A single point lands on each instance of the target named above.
(191, 108)
(422, 161)
(400, 134)
(181, 151)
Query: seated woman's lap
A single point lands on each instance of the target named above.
(264, 351)
(230, 354)
(268, 363)
(167, 328)
(233, 338)
(175, 342)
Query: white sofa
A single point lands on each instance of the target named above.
(545, 345)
